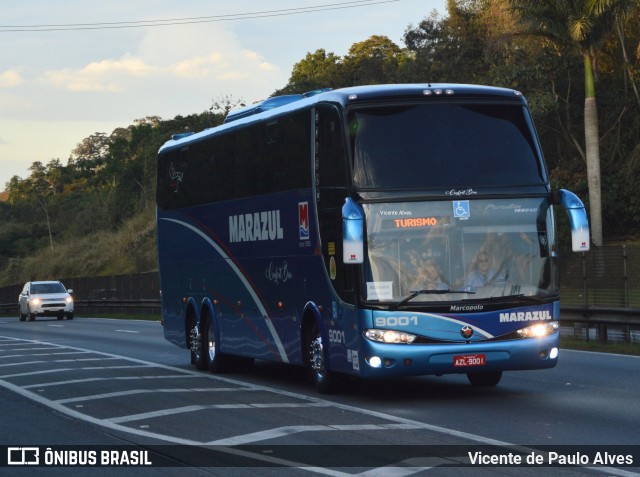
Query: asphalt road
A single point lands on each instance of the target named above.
(105, 383)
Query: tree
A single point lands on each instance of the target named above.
(453, 49)
(375, 60)
(582, 25)
(317, 70)
(225, 103)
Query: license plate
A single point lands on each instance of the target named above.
(469, 360)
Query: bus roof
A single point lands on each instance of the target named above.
(344, 96)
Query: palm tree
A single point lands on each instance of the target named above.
(580, 25)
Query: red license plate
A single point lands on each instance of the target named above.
(469, 360)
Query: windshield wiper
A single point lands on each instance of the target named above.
(415, 293)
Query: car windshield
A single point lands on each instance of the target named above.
(43, 288)
(450, 144)
(459, 250)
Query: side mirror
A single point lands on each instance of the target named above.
(69, 291)
(352, 232)
(578, 220)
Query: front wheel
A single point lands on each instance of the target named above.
(485, 379)
(323, 379)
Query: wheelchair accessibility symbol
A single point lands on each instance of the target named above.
(461, 209)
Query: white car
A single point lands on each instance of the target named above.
(46, 298)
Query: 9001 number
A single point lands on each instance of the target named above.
(391, 321)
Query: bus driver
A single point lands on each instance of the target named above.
(482, 273)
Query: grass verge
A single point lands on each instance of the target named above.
(596, 346)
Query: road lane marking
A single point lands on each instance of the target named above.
(115, 423)
(132, 392)
(204, 407)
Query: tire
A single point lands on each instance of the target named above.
(32, 316)
(197, 347)
(484, 379)
(21, 316)
(323, 379)
(216, 361)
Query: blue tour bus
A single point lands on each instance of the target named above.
(374, 231)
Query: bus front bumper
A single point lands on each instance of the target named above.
(380, 360)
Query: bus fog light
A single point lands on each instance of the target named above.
(375, 362)
(539, 330)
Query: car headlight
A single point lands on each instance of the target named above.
(35, 301)
(539, 330)
(69, 300)
(389, 336)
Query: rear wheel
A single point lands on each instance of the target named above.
(484, 379)
(197, 347)
(323, 379)
(216, 361)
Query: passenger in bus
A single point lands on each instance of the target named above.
(429, 278)
(482, 273)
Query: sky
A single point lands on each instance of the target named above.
(71, 68)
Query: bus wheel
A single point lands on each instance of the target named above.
(215, 360)
(197, 348)
(322, 378)
(484, 379)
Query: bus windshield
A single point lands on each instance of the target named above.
(459, 250)
(418, 146)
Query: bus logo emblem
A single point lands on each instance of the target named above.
(303, 220)
(466, 332)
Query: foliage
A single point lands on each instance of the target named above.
(94, 214)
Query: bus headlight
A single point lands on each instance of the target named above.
(389, 336)
(539, 330)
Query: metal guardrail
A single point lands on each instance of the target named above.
(148, 306)
(588, 322)
(608, 324)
